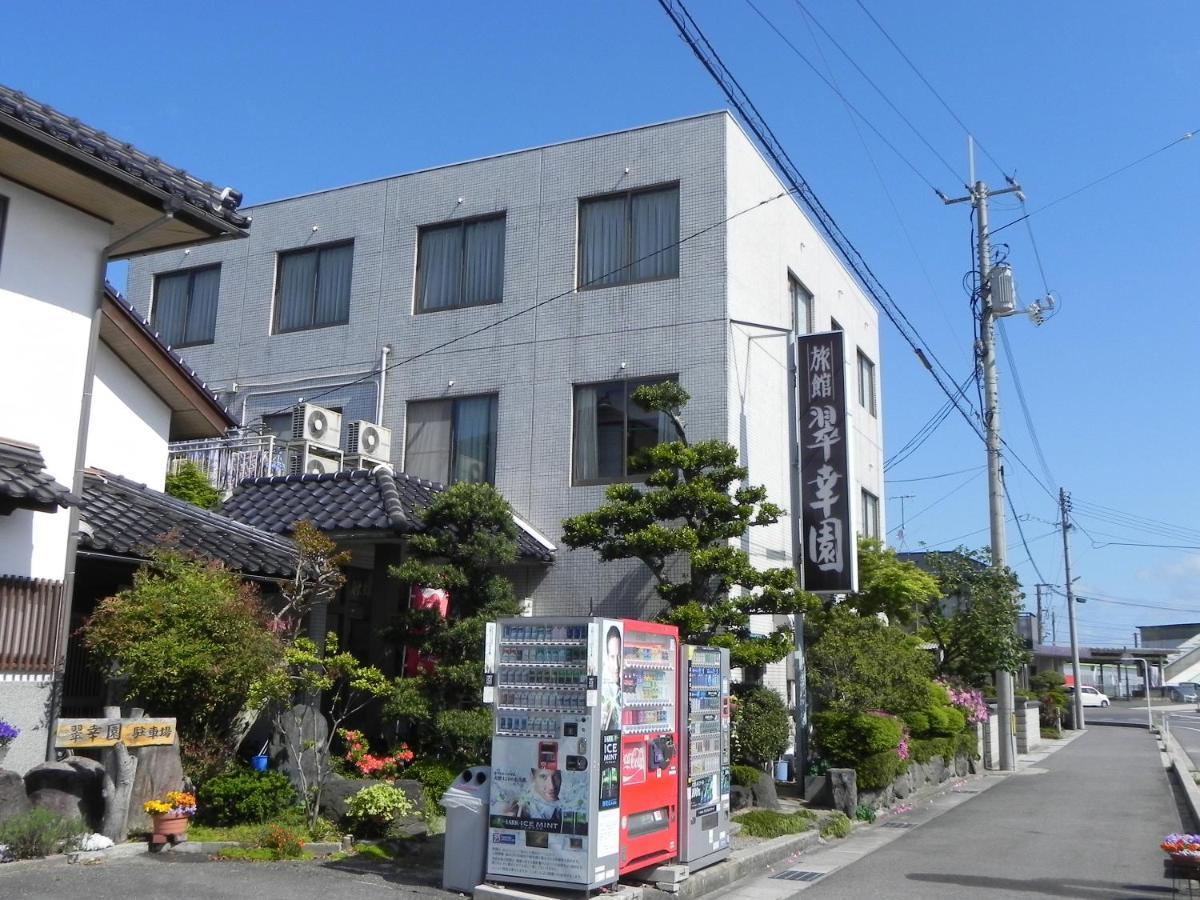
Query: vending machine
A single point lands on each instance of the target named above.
(704, 729)
(585, 763)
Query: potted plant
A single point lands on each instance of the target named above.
(1183, 848)
(172, 813)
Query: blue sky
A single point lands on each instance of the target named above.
(279, 99)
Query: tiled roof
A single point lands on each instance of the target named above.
(143, 324)
(108, 151)
(126, 518)
(24, 481)
(359, 500)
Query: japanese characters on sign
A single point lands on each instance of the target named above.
(81, 733)
(827, 539)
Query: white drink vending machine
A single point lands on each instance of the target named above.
(582, 742)
(704, 729)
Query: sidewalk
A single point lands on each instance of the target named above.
(1082, 821)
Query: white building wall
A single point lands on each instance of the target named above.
(47, 291)
(130, 425)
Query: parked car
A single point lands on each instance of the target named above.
(1182, 691)
(1089, 695)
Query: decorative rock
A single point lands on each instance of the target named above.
(740, 797)
(95, 842)
(159, 770)
(903, 785)
(73, 787)
(961, 766)
(338, 790)
(845, 790)
(13, 799)
(765, 796)
(304, 726)
(936, 770)
(817, 790)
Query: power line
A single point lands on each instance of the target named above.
(933, 477)
(538, 305)
(939, 500)
(1033, 436)
(1187, 136)
(932, 89)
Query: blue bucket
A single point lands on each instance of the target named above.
(259, 763)
(781, 770)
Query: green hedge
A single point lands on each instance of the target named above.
(844, 739)
(877, 771)
(746, 776)
(245, 796)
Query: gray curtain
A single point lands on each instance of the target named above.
(427, 440)
(586, 462)
(297, 274)
(604, 242)
(474, 439)
(655, 217)
(170, 307)
(333, 285)
(439, 264)
(202, 311)
(483, 278)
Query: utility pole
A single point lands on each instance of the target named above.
(978, 198)
(900, 534)
(1053, 624)
(1064, 506)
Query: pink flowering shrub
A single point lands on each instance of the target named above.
(969, 700)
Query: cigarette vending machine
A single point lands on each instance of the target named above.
(584, 749)
(704, 729)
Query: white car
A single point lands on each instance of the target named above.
(1090, 696)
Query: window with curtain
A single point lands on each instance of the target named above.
(611, 429)
(312, 289)
(629, 237)
(870, 515)
(185, 306)
(460, 264)
(452, 440)
(802, 305)
(866, 383)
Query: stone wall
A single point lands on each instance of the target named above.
(1029, 726)
(917, 776)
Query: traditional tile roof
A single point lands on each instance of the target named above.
(108, 152)
(24, 481)
(126, 518)
(360, 500)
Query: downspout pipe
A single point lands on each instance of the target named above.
(81, 438)
(383, 357)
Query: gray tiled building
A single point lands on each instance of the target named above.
(517, 300)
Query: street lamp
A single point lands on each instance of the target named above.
(1145, 683)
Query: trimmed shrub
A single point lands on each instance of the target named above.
(436, 776)
(878, 770)
(917, 721)
(746, 776)
(766, 823)
(837, 825)
(846, 738)
(966, 743)
(38, 833)
(761, 727)
(922, 750)
(372, 809)
(244, 797)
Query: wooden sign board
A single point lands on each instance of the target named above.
(81, 733)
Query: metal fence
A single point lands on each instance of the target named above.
(227, 460)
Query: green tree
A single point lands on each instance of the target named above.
(287, 691)
(187, 638)
(889, 585)
(695, 501)
(858, 663)
(975, 626)
(317, 580)
(468, 534)
(761, 726)
(189, 483)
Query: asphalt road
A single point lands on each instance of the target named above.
(1084, 823)
(1186, 729)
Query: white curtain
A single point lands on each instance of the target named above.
(483, 278)
(655, 217)
(170, 308)
(202, 310)
(586, 461)
(297, 274)
(333, 285)
(604, 242)
(427, 440)
(439, 265)
(474, 439)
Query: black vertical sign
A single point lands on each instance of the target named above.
(828, 552)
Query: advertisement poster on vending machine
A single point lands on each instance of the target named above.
(540, 813)
(608, 833)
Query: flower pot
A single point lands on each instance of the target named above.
(171, 823)
(259, 763)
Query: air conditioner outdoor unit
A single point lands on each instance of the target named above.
(350, 463)
(309, 459)
(369, 439)
(317, 425)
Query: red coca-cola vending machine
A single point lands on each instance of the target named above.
(649, 660)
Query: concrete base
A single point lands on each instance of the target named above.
(487, 891)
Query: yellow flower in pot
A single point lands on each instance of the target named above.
(172, 813)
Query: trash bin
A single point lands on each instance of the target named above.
(466, 804)
(781, 770)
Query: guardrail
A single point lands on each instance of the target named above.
(1182, 764)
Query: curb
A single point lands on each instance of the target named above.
(316, 848)
(78, 857)
(755, 860)
(1182, 764)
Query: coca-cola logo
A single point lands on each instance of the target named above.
(633, 764)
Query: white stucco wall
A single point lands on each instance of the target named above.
(47, 291)
(130, 425)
